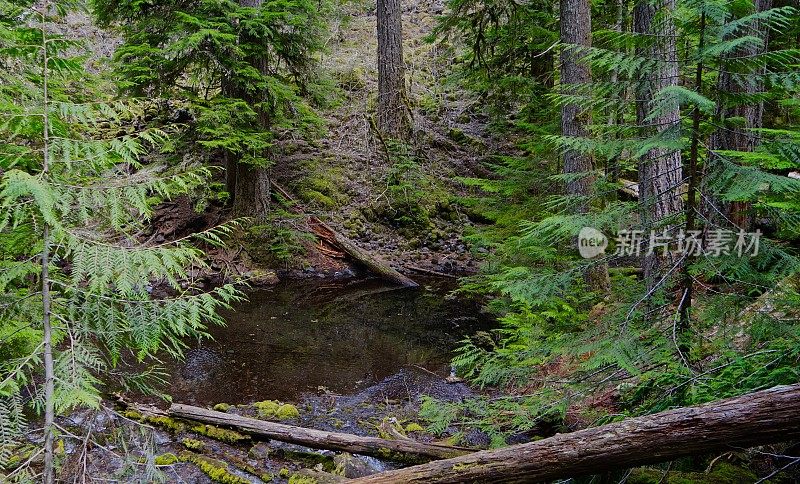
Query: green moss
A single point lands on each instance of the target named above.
(21, 455)
(267, 477)
(414, 427)
(166, 422)
(722, 473)
(132, 414)
(166, 459)
(277, 410)
(283, 473)
(216, 433)
(193, 444)
(301, 479)
(222, 407)
(216, 470)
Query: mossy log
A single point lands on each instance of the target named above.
(399, 450)
(763, 417)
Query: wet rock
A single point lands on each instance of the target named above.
(259, 451)
(354, 466)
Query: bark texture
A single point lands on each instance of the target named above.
(404, 450)
(393, 111)
(576, 28)
(660, 168)
(249, 185)
(758, 418)
(741, 137)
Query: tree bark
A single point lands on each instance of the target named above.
(660, 168)
(393, 110)
(576, 28)
(249, 185)
(403, 450)
(758, 418)
(738, 138)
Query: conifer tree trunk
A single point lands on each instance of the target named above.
(660, 168)
(250, 185)
(576, 28)
(739, 138)
(393, 111)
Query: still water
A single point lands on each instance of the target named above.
(310, 336)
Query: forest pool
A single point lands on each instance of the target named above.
(322, 336)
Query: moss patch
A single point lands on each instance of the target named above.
(166, 459)
(216, 470)
(216, 433)
(274, 409)
(222, 407)
(414, 427)
(166, 423)
(301, 479)
(193, 444)
(722, 473)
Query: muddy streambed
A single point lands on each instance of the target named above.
(332, 337)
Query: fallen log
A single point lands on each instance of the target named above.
(400, 450)
(339, 241)
(758, 418)
(371, 262)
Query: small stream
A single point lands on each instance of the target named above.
(314, 336)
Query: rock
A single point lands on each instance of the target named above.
(262, 278)
(354, 466)
(259, 451)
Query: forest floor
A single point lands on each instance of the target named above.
(402, 208)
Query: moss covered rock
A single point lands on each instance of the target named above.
(273, 409)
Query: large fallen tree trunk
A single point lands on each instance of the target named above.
(339, 241)
(402, 450)
(758, 418)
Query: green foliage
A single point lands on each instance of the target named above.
(411, 196)
(242, 72)
(280, 240)
(559, 344)
(73, 184)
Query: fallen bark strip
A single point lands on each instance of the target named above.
(758, 418)
(402, 450)
(324, 232)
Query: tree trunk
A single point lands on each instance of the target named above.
(731, 136)
(403, 450)
(758, 418)
(48, 473)
(576, 28)
(660, 168)
(249, 185)
(393, 110)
